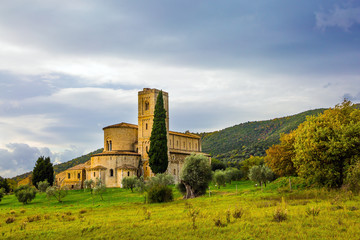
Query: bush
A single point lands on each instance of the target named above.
(56, 192)
(89, 184)
(25, 194)
(163, 179)
(129, 183)
(233, 174)
(100, 188)
(43, 185)
(352, 178)
(2, 193)
(220, 178)
(159, 194)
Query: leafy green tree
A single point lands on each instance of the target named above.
(43, 170)
(4, 184)
(261, 174)
(250, 162)
(56, 192)
(279, 157)
(353, 177)
(195, 176)
(158, 153)
(129, 183)
(100, 188)
(42, 186)
(327, 145)
(217, 164)
(220, 178)
(2, 193)
(89, 184)
(164, 179)
(25, 194)
(233, 174)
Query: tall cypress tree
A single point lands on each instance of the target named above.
(43, 170)
(158, 153)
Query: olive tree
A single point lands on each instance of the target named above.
(195, 176)
(25, 194)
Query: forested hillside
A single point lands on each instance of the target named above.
(252, 138)
(63, 166)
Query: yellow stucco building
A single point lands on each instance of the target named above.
(126, 146)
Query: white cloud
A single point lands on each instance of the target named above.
(343, 18)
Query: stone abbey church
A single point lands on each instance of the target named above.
(126, 146)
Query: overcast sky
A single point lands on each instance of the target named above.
(69, 68)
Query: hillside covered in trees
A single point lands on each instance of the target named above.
(63, 166)
(239, 142)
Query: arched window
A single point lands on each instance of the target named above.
(111, 172)
(110, 145)
(128, 173)
(146, 148)
(146, 126)
(78, 175)
(94, 174)
(68, 175)
(147, 105)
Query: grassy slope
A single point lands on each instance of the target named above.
(251, 138)
(122, 216)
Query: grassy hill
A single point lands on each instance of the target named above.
(252, 138)
(63, 166)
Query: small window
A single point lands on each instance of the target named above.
(78, 175)
(147, 105)
(174, 171)
(94, 174)
(110, 146)
(111, 172)
(72, 186)
(146, 148)
(128, 173)
(146, 126)
(68, 175)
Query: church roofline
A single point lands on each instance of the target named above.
(122, 125)
(116, 153)
(184, 134)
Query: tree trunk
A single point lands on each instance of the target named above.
(189, 191)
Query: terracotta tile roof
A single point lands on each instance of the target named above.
(122, 125)
(82, 166)
(98, 167)
(189, 135)
(114, 153)
(126, 166)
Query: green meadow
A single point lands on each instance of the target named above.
(237, 211)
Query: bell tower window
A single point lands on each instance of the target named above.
(147, 105)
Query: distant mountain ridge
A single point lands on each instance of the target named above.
(239, 142)
(65, 165)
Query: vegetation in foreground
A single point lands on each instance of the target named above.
(236, 211)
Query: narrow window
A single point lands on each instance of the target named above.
(72, 186)
(110, 146)
(94, 174)
(146, 148)
(146, 126)
(111, 172)
(78, 175)
(128, 173)
(174, 171)
(147, 105)
(68, 175)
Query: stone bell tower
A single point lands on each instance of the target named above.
(146, 106)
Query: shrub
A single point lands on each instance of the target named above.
(313, 211)
(2, 193)
(159, 194)
(238, 213)
(25, 194)
(218, 221)
(352, 178)
(43, 185)
(100, 188)
(220, 178)
(10, 220)
(140, 184)
(89, 184)
(161, 179)
(56, 192)
(129, 183)
(280, 213)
